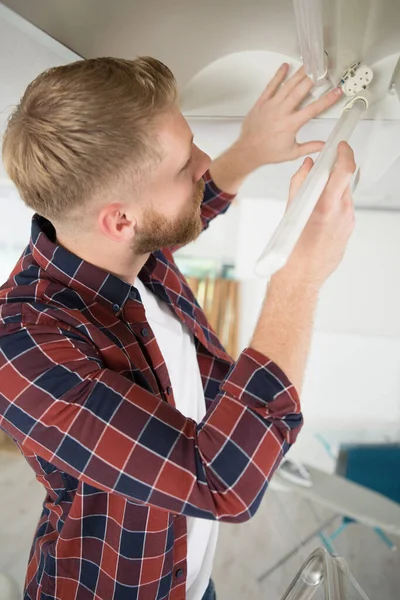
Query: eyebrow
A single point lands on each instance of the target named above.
(190, 157)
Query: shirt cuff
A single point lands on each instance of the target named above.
(216, 191)
(260, 384)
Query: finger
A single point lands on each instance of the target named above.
(275, 83)
(348, 206)
(342, 173)
(314, 109)
(298, 93)
(348, 196)
(308, 148)
(299, 177)
(347, 200)
(292, 83)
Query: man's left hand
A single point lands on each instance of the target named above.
(270, 129)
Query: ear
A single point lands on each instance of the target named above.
(117, 222)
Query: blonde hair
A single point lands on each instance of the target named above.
(80, 127)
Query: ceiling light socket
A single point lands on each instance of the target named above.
(364, 96)
(356, 79)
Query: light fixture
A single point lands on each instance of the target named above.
(290, 228)
(310, 27)
(394, 85)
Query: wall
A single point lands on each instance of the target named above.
(14, 229)
(363, 296)
(25, 52)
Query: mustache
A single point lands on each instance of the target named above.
(199, 192)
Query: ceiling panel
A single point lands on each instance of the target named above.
(188, 35)
(192, 38)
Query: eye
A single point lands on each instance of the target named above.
(188, 164)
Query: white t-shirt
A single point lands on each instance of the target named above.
(177, 347)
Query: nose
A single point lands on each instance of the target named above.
(203, 162)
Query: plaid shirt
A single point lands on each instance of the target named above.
(85, 393)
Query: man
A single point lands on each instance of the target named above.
(141, 428)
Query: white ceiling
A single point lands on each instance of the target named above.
(188, 35)
(223, 53)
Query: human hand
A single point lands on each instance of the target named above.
(270, 129)
(323, 242)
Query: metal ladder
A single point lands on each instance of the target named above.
(324, 577)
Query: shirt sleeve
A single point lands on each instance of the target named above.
(215, 202)
(59, 401)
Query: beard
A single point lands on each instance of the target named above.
(159, 232)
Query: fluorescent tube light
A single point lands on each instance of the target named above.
(394, 85)
(310, 27)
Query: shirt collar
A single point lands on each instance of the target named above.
(74, 272)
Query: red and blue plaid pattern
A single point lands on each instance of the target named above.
(85, 393)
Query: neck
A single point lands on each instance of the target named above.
(112, 257)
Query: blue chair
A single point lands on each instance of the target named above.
(374, 466)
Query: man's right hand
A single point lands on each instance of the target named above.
(323, 242)
(283, 332)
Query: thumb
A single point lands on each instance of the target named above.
(298, 179)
